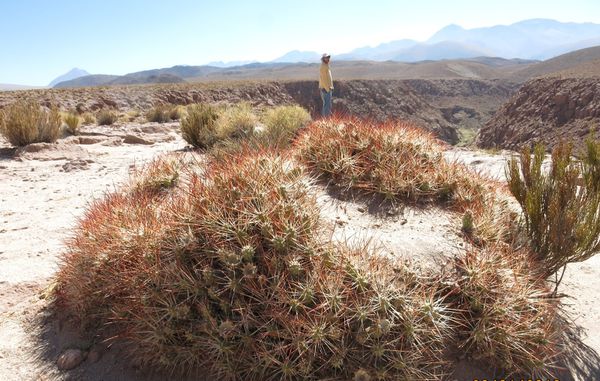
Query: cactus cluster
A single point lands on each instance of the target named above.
(222, 268)
(231, 274)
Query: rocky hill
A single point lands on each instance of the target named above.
(440, 105)
(545, 110)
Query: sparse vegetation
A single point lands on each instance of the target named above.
(88, 118)
(199, 126)
(282, 123)
(106, 117)
(177, 112)
(72, 122)
(159, 113)
(26, 122)
(467, 136)
(561, 212)
(132, 115)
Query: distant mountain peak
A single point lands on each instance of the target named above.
(71, 74)
(299, 56)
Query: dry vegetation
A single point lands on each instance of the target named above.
(106, 117)
(26, 122)
(223, 267)
(72, 122)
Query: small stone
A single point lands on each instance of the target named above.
(71, 358)
(403, 221)
(132, 139)
(96, 353)
(361, 209)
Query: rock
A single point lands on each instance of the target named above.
(71, 358)
(133, 139)
(75, 165)
(96, 353)
(91, 139)
(560, 99)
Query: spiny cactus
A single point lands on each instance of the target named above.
(230, 274)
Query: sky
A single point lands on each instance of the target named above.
(42, 39)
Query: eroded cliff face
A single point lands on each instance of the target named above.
(440, 106)
(378, 100)
(545, 110)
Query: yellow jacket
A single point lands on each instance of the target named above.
(325, 80)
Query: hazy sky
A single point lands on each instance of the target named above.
(41, 39)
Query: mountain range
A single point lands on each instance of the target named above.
(535, 39)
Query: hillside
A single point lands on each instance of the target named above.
(545, 110)
(578, 63)
(88, 80)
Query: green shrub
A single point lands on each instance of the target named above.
(106, 117)
(237, 122)
(72, 121)
(561, 213)
(591, 164)
(282, 124)
(26, 122)
(199, 126)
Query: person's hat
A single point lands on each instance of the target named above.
(325, 55)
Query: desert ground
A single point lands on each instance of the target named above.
(45, 189)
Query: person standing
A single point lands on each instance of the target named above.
(326, 85)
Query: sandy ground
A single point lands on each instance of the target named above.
(45, 188)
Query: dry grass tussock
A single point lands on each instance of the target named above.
(164, 113)
(237, 122)
(232, 129)
(282, 123)
(106, 117)
(72, 122)
(26, 122)
(223, 267)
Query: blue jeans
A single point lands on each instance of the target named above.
(327, 101)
